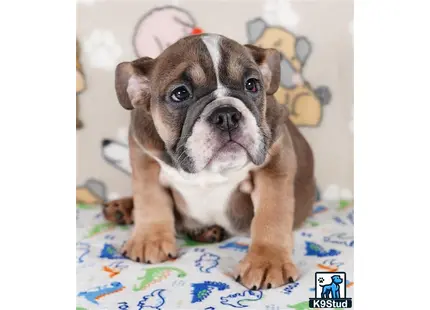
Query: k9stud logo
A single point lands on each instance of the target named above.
(330, 291)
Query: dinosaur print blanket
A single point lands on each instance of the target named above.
(201, 277)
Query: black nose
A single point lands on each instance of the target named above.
(225, 118)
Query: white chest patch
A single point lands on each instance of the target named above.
(206, 194)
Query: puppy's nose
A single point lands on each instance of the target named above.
(225, 118)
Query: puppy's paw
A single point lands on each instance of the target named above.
(209, 234)
(119, 211)
(266, 267)
(150, 246)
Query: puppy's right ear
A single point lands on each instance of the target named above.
(132, 83)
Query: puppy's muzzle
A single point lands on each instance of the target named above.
(226, 118)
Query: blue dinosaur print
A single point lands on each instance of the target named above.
(123, 305)
(289, 288)
(235, 246)
(101, 291)
(109, 237)
(332, 262)
(118, 265)
(340, 238)
(201, 291)
(85, 247)
(207, 262)
(209, 308)
(313, 249)
(153, 301)
(350, 217)
(319, 209)
(199, 249)
(235, 300)
(110, 252)
(338, 220)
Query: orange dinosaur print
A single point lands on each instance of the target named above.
(112, 272)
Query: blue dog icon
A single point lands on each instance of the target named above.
(332, 288)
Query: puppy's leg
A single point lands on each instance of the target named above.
(153, 237)
(268, 263)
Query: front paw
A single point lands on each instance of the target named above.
(266, 267)
(150, 246)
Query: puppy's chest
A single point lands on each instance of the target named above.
(206, 195)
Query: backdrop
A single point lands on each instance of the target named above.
(315, 39)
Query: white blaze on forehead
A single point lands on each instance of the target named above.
(212, 42)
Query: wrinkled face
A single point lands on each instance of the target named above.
(208, 101)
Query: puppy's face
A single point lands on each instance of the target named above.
(206, 95)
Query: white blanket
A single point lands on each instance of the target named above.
(201, 276)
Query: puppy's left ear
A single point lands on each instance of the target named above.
(132, 83)
(269, 61)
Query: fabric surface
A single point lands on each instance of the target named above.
(200, 278)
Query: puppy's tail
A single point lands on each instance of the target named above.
(119, 211)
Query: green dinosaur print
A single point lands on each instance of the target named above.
(84, 206)
(155, 275)
(81, 308)
(343, 204)
(98, 228)
(312, 223)
(102, 227)
(304, 305)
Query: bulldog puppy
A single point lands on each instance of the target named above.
(203, 121)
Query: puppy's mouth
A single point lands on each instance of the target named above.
(230, 146)
(232, 155)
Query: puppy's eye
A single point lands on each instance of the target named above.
(179, 94)
(251, 85)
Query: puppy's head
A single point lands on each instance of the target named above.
(206, 95)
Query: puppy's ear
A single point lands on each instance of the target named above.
(269, 61)
(132, 83)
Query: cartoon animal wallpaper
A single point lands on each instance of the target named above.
(80, 84)
(304, 102)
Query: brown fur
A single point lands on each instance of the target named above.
(282, 188)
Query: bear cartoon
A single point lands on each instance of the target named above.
(304, 102)
(91, 192)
